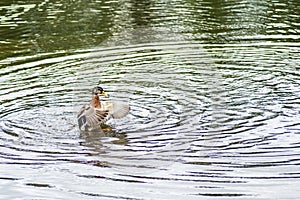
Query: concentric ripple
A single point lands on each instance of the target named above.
(190, 109)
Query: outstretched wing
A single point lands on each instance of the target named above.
(89, 117)
(117, 109)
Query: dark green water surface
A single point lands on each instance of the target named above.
(214, 90)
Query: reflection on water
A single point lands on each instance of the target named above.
(29, 28)
(96, 139)
(213, 88)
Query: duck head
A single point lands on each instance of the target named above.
(99, 91)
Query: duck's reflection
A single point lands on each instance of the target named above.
(101, 139)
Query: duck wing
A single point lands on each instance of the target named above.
(89, 117)
(116, 109)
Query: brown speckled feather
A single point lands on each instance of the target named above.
(90, 118)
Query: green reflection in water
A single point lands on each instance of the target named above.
(31, 27)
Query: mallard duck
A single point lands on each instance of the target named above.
(97, 113)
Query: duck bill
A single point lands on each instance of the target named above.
(104, 94)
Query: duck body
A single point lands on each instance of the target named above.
(97, 113)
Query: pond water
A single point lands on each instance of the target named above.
(213, 88)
